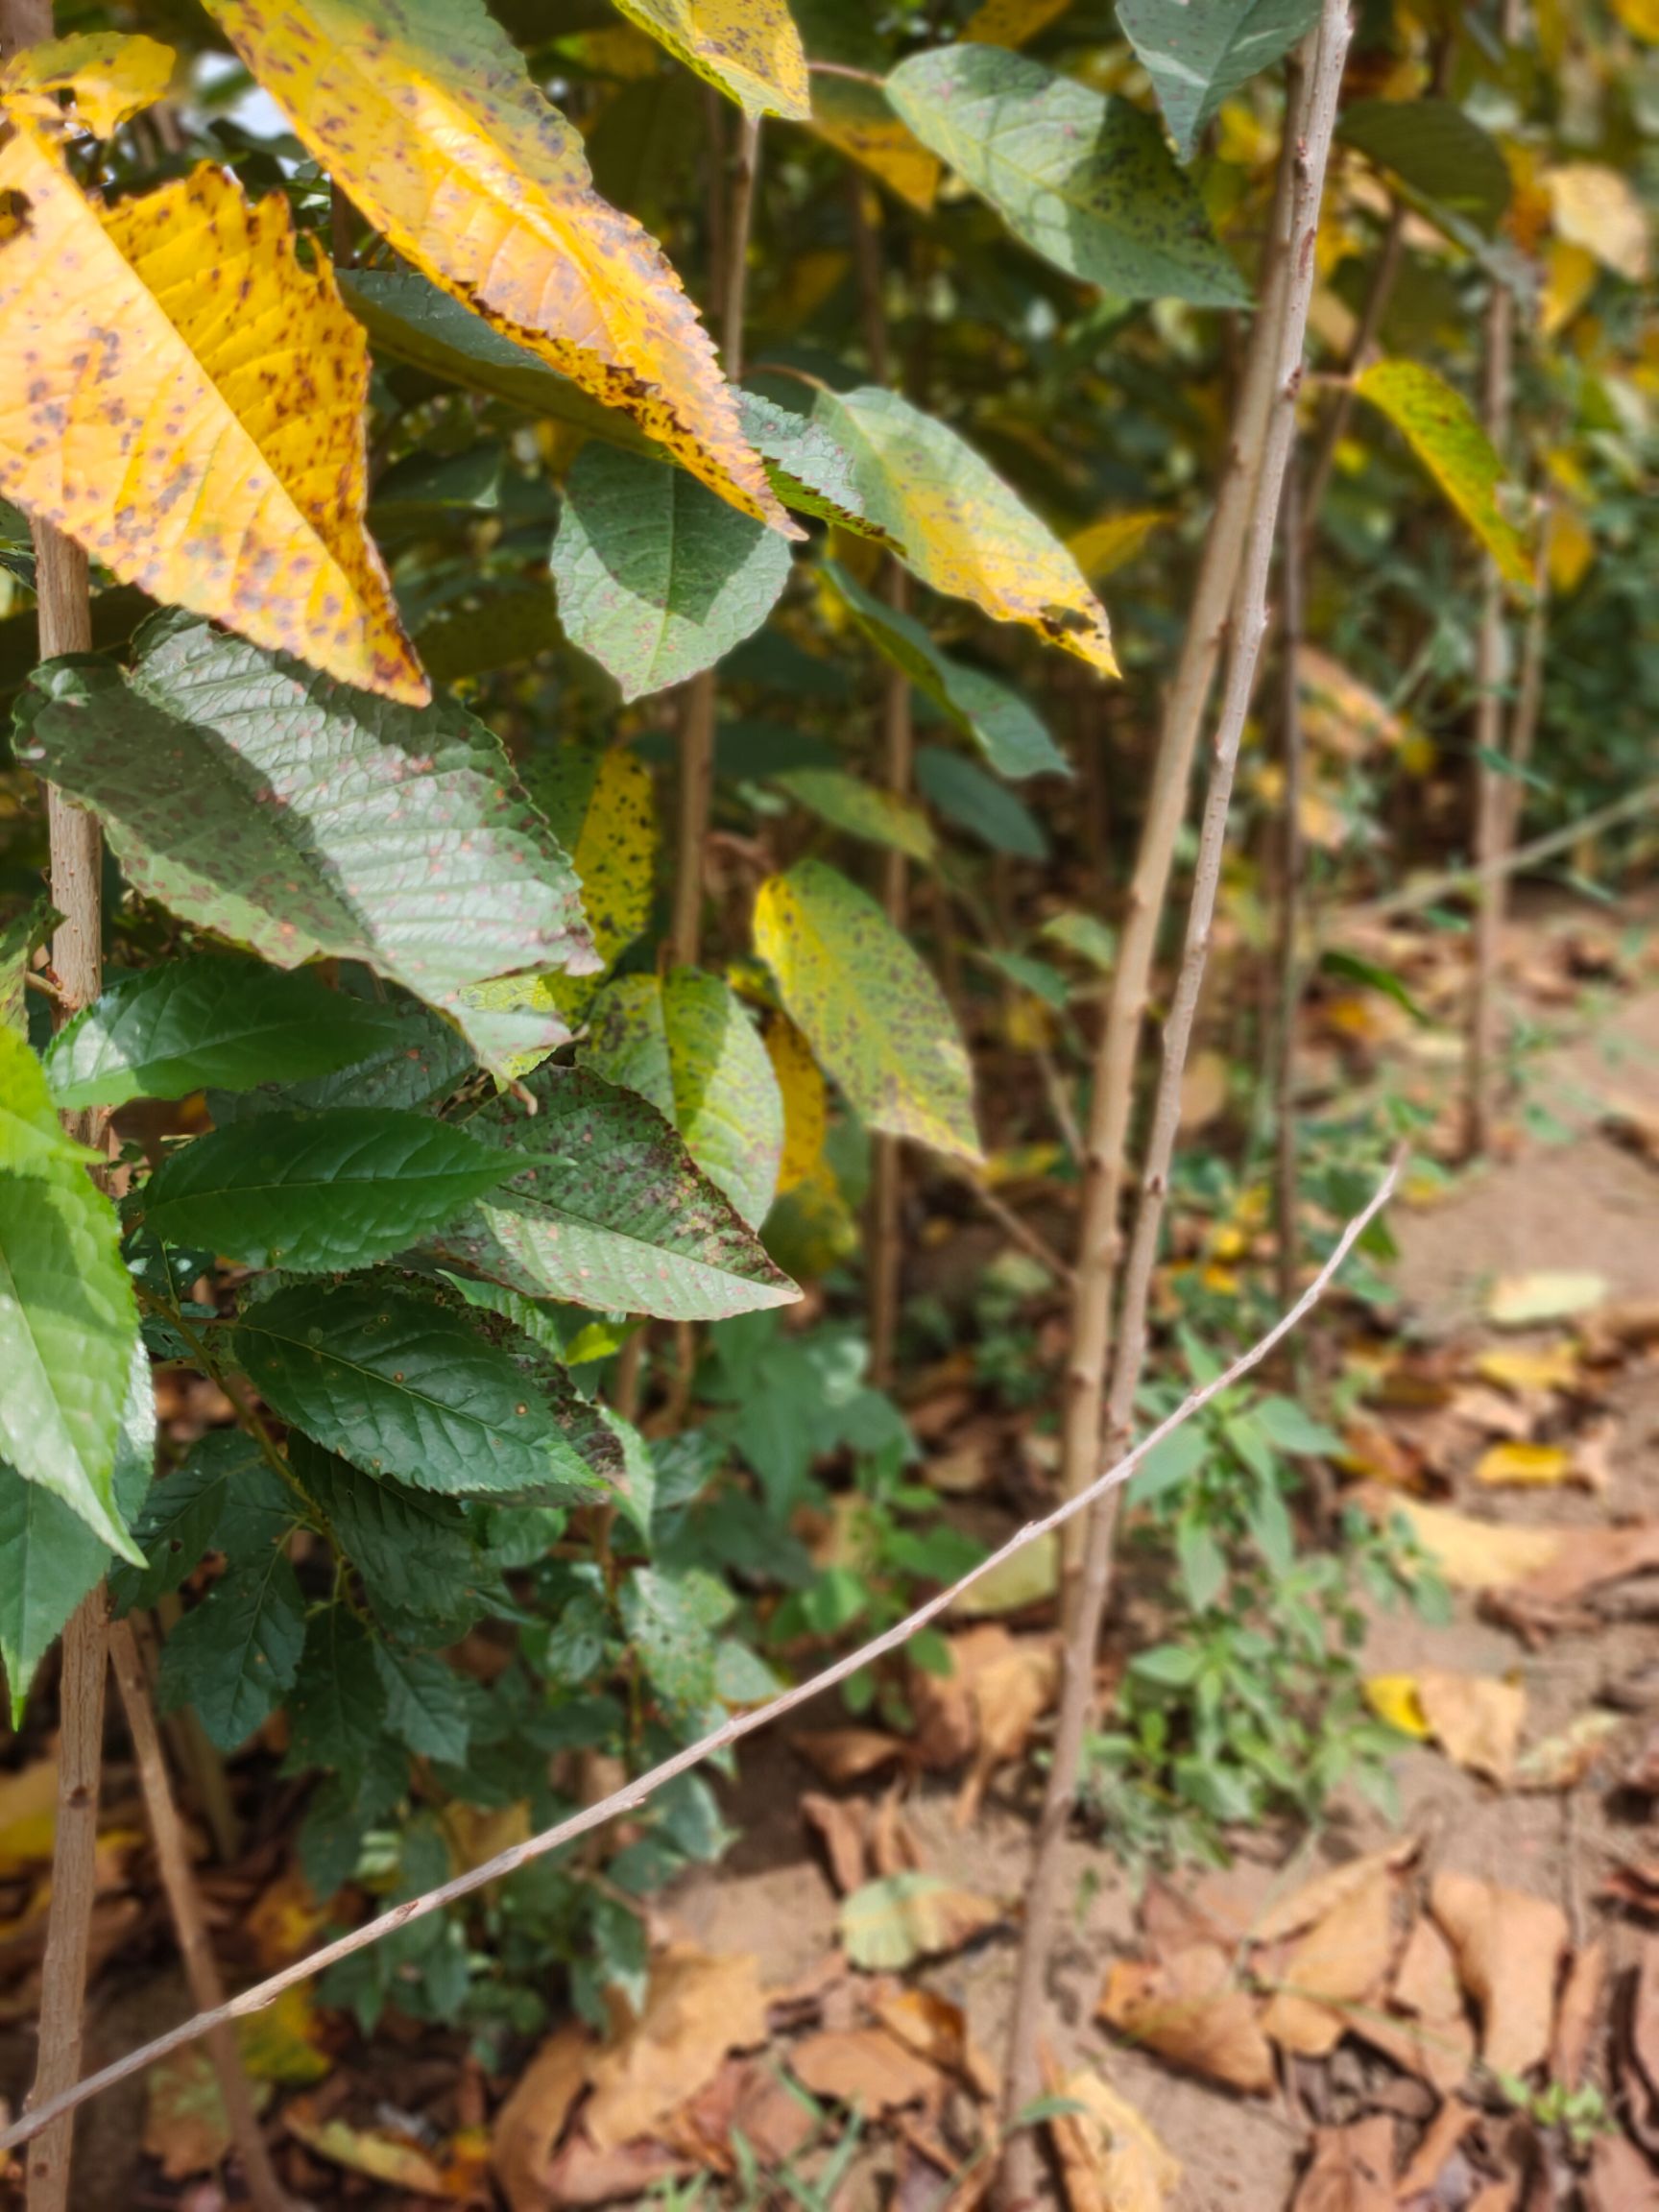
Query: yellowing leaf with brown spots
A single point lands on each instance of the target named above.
(1441, 428)
(186, 401)
(856, 119)
(750, 48)
(424, 114)
(110, 77)
(805, 1102)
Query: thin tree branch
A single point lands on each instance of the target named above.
(1311, 138)
(634, 1795)
(1289, 951)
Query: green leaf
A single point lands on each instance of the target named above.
(862, 809)
(320, 820)
(925, 493)
(235, 1656)
(403, 1386)
(426, 1707)
(1011, 736)
(422, 1058)
(408, 318)
(1437, 149)
(182, 1515)
(656, 575)
(162, 1032)
(68, 1324)
(319, 1192)
(1290, 1428)
(1202, 1562)
(609, 1209)
(1198, 56)
(416, 1552)
(52, 1560)
(33, 1141)
(874, 1016)
(976, 803)
(670, 1619)
(1086, 181)
(686, 1043)
(1439, 425)
(337, 1706)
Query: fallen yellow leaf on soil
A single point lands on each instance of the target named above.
(1010, 1695)
(848, 1754)
(1110, 2159)
(530, 2122)
(429, 120)
(1471, 1554)
(1353, 2168)
(890, 1924)
(215, 456)
(1523, 1466)
(1525, 1301)
(392, 2159)
(1523, 1368)
(1341, 1962)
(1188, 2010)
(697, 2007)
(1393, 1697)
(27, 1815)
(1509, 1947)
(1476, 1719)
(866, 2068)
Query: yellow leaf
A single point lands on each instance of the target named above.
(1475, 1718)
(805, 1102)
(1393, 1697)
(1572, 549)
(1012, 22)
(1114, 541)
(856, 119)
(1569, 279)
(1110, 2155)
(1522, 1300)
(1339, 713)
(1597, 208)
(1641, 17)
(28, 1817)
(1471, 1554)
(1441, 429)
(111, 78)
(424, 113)
(375, 2151)
(1518, 1368)
(1522, 1466)
(750, 48)
(286, 2042)
(189, 404)
(876, 1020)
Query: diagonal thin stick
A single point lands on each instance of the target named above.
(634, 1795)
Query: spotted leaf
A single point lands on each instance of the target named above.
(750, 48)
(1440, 427)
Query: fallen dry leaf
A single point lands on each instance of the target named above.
(1525, 1301)
(1341, 1960)
(1478, 1405)
(893, 1845)
(1529, 1370)
(890, 1924)
(1429, 2032)
(937, 2031)
(748, 2098)
(1509, 1947)
(1582, 1559)
(1621, 2178)
(1471, 1554)
(1561, 1762)
(283, 1920)
(375, 2151)
(1110, 2159)
(1476, 1718)
(848, 1754)
(1393, 1699)
(1642, 2025)
(1634, 1882)
(1442, 2136)
(27, 1815)
(697, 2009)
(1353, 2168)
(841, 1825)
(583, 2175)
(186, 2128)
(1315, 1899)
(1523, 1466)
(1010, 1695)
(866, 2068)
(1576, 2014)
(1593, 1455)
(1188, 2010)
(530, 2122)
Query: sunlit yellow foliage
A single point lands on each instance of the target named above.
(1112, 541)
(426, 116)
(805, 1102)
(750, 48)
(111, 77)
(1012, 22)
(856, 119)
(189, 406)
(1598, 208)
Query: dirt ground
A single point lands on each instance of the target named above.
(1573, 1199)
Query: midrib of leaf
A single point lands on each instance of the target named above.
(668, 569)
(255, 1615)
(383, 1382)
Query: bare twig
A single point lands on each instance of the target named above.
(1288, 323)
(1292, 557)
(179, 1881)
(637, 1793)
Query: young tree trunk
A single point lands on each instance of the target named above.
(885, 1232)
(185, 1903)
(1491, 670)
(1308, 133)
